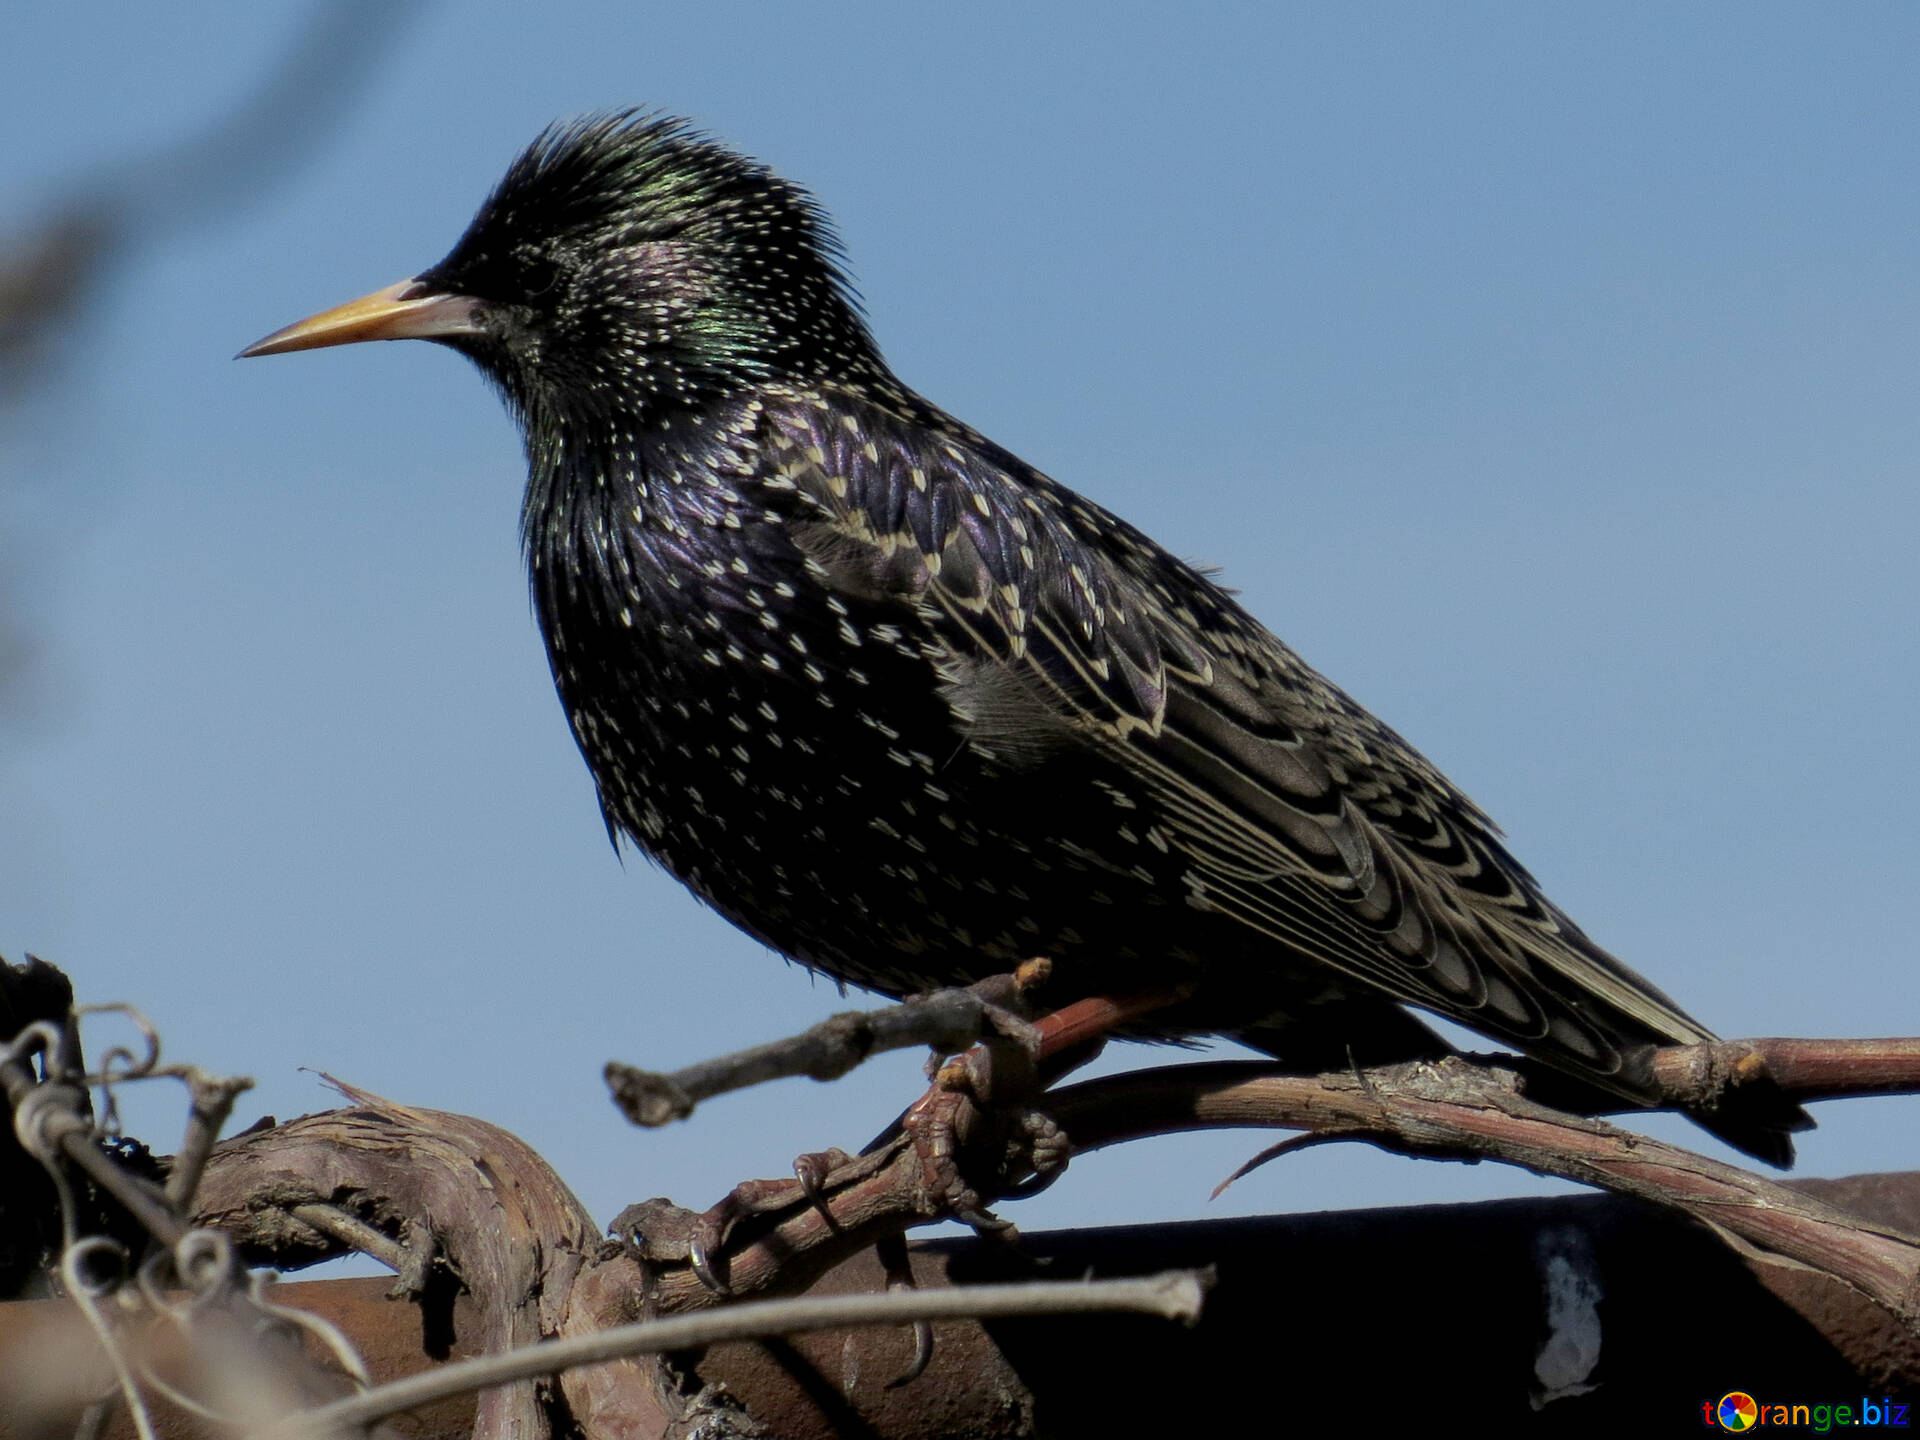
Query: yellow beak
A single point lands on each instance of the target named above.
(407, 311)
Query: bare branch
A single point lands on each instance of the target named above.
(1455, 1109)
(1689, 1077)
(946, 1020)
(211, 1102)
(1803, 1069)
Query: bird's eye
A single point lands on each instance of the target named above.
(538, 276)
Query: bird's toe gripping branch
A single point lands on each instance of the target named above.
(972, 1131)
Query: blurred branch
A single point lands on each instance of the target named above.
(1175, 1295)
(289, 116)
(56, 264)
(169, 1308)
(53, 266)
(46, 276)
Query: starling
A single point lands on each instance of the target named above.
(910, 712)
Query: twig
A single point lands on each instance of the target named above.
(53, 1116)
(87, 1295)
(1803, 1069)
(351, 1230)
(1173, 1294)
(947, 1020)
(211, 1102)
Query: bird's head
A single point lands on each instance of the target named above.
(626, 264)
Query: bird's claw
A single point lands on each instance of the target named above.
(699, 1261)
(814, 1170)
(891, 1251)
(662, 1232)
(922, 1356)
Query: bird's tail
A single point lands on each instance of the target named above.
(1764, 1131)
(1749, 1111)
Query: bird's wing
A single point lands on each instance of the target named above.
(1304, 816)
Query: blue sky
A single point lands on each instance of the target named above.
(1545, 374)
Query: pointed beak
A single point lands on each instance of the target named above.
(407, 311)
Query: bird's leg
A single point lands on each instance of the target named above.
(1074, 1034)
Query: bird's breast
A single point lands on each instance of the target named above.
(821, 768)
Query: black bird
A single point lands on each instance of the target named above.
(908, 711)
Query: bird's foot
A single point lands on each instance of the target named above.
(973, 1119)
(816, 1171)
(662, 1232)
(971, 1130)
